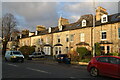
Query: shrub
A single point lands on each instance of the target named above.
(82, 51)
(113, 54)
(26, 50)
(97, 49)
(73, 55)
(85, 60)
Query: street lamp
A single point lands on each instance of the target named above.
(93, 52)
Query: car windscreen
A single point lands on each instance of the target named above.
(17, 53)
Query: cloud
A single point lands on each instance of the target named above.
(30, 14)
(75, 9)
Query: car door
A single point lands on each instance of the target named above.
(102, 65)
(34, 55)
(113, 66)
(7, 54)
(39, 54)
(119, 67)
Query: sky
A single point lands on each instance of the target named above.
(31, 14)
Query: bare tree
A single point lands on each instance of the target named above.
(8, 26)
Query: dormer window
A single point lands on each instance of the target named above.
(104, 19)
(36, 32)
(60, 28)
(49, 30)
(20, 35)
(83, 23)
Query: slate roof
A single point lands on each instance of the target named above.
(78, 24)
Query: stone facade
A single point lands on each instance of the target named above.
(25, 41)
(65, 37)
(43, 43)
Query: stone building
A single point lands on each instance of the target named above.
(43, 40)
(68, 36)
(106, 33)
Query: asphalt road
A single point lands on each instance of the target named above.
(41, 69)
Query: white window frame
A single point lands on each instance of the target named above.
(71, 38)
(36, 32)
(83, 23)
(49, 30)
(82, 37)
(101, 35)
(102, 18)
(60, 28)
(47, 41)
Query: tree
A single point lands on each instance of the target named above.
(97, 49)
(8, 26)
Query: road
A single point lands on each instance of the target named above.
(37, 69)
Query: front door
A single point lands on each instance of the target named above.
(58, 50)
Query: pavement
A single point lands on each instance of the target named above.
(50, 59)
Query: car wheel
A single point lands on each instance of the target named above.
(94, 72)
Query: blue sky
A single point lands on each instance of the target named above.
(30, 14)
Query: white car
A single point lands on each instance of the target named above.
(36, 55)
(14, 56)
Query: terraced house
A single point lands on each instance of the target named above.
(80, 34)
(68, 36)
(42, 40)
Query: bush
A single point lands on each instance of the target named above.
(113, 54)
(85, 60)
(73, 55)
(26, 50)
(82, 51)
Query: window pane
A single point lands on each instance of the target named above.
(102, 47)
(103, 59)
(108, 49)
(103, 35)
(58, 40)
(71, 37)
(119, 32)
(104, 19)
(82, 37)
(114, 60)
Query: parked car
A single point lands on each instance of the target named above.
(36, 55)
(14, 56)
(63, 58)
(104, 65)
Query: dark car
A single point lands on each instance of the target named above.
(104, 65)
(63, 58)
(36, 55)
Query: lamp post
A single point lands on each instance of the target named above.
(93, 52)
